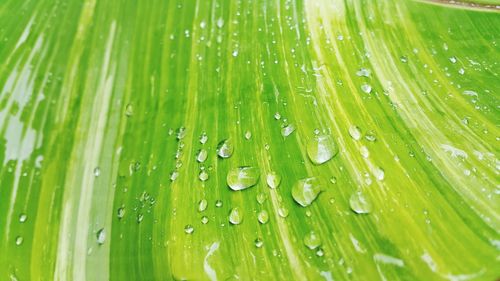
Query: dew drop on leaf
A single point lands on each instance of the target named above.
(235, 216)
(366, 88)
(273, 180)
(261, 198)
(242, 177)
(129, 110)
(225, 148)
(97, 171)
(22, 218)
(287, 130)
(120, 213)
(203, 138)
(188, 229)
(19, 240)
(218, 203)
(283, 212)
(202, 155)
(203, 176)
(312, 241)
(355, 132)
(248, 135)
(202, 205)
(258, 243)
(321, 148)
(305, 191)
(204, 220)
(360, 204)
(101, 236)
(263, 217)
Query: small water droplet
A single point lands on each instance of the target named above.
(220, 23)
(225, 148)
(235, 216)
(364, 151)
(287, 130)
(22, 218)
(235, 53)
(204, 220)
(120, 213)
(203, 138)
(263, 217)
(203, 176)
(218, 203)
(202, 205)
(242, 177)
(129, 110)
(273, 180)
(312, 241)
(366, 88)
(355, 132)
(101, 236)
(97, 171)
(320, 252)
(277, 116)
(333, 180)
(19, 240)
(202, 155)
(378, 173)
(188, 229)
(174, 175)
(453, 59)
(360, 204)
(283, 212)
(261, 198)
(321, 149)
(248, 135)
(258, 243)
(305, 191)
(370, 136)
(363, 72)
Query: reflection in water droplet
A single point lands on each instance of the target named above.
(312, 241)
(305, 191)
(360, 204)
(355, 132)
(263, 217)
(225, 148)
(188, 229)
(242, 177)
(101, 236)
(321, 148)
(273, 180)
(235, 216)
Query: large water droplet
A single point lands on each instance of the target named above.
(225, 148)
(312, 241)
(273, 180)
(242, 177)
(355, 132)
(235, 216)
(101, 236)
(202, 155)
(263, 217)
(360, 204)
(321, 148)
(305, 191)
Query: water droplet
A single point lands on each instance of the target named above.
(204, 220)
(97, 171)
(258, 243)
(312, 241)
(129, 110)
(305, 191)
(283, 212)
(101, 236)
(333, 180)
(453, 59)
(287, 130)
(181, 133)
(235, 53)
(188, 229)
(203, 24)
(248, 135)
(273, 180)
(320, 252)
(174, 175)
(202, 155)
(261, 198)
(19, 240)
(203, 138)
(366, 88)
(203, 176)
(220, 23)
(235, 216)
(363, 72)
(378, 173)
(370, 136)
(22, 218)
(140, 217)
(360, 204)
(202, 205)
(364, 151)
(225, 148)
(263, 217)
(277, 116)
(218, 203)
(120, 213)
(355, 132)
(321, 148)
(242, 177)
